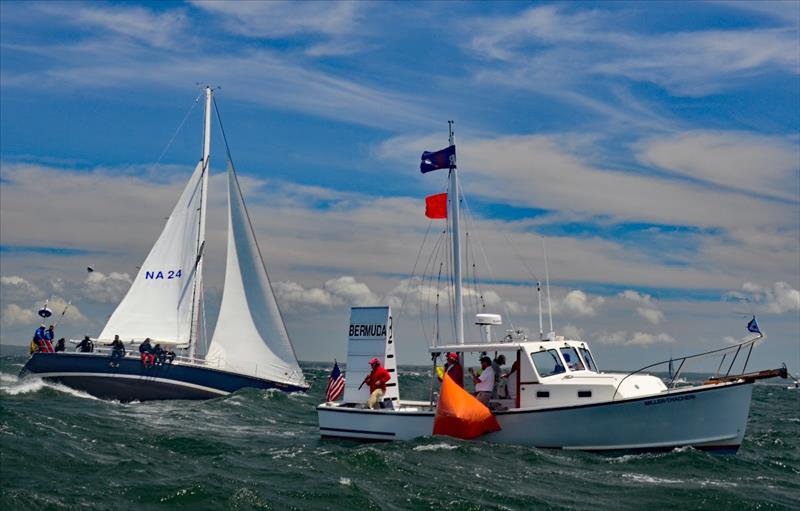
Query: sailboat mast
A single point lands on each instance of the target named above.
(197, 294)
(456, 236)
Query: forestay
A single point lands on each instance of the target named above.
(158, 304)
(250, 336)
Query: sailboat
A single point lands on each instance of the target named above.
(559, 398)
(250, 346)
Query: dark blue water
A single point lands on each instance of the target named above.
(61, 449)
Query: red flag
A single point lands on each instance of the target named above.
(460, 414)
(436, 206)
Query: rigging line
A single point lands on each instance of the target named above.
(413, 271)
(420, 297)
(252, 233)
(427, 283)
(185, 117)
(486, 259)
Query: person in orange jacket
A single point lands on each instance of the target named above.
(377, 383)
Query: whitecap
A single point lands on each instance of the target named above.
(436, 447)
(345, 481)
(642, 478)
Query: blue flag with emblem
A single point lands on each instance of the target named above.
(443, 159)
(752, 326)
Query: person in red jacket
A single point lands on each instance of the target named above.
(377, 383)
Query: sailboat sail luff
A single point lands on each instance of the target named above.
(159, 302)
(250, 336)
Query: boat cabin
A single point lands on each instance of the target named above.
(554, 373)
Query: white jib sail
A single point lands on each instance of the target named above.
(159, 304)
(250, 336)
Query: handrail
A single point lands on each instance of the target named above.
(725, 351)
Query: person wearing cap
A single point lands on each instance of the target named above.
(484, 383)
(453, 368)
(377, 383)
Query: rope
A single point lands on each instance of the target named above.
(185, 117)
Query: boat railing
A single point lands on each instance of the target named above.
(674, 375)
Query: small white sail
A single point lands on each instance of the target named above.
(159, 303)
(250, 336)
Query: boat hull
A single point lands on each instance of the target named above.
(130, 380)
(710, 417)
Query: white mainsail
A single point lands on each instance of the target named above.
(159, 303)
(250, 336)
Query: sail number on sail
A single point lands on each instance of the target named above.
(168, 274)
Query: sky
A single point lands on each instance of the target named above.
(653, 146)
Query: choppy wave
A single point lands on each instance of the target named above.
(262, 450)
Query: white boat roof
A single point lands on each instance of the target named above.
(506, 346)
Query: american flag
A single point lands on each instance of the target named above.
(335, 386)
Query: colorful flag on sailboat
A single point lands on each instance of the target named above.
(436, 206)
(460, 414)
(444, 159)
(335, 386)
(752, 326)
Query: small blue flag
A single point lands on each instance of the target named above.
(444, 159)
(752, 326)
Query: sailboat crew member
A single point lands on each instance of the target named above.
(117, 351)
(377, 383)
(85, 346)
(146, 351)
(49, 334)
(38, 338)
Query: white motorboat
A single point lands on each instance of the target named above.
(559, 397)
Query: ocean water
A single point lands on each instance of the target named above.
(61, 449)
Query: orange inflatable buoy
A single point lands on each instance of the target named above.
(460, 414)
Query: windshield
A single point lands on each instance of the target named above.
(547, 363)
(589, 360)
(572, 359)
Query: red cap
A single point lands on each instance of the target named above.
(452, 355)
(374, 361)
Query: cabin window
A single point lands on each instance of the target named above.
(543, 393)
(547, 363)
(572, 359)
(584, 393)
(589, 360)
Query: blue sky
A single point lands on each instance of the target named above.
(655, 145)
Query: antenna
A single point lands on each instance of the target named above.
(547, 280)
(539, 292)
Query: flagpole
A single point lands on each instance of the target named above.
(456, 236)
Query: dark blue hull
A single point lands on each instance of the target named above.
(129, 380)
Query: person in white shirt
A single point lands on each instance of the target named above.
(484, 383)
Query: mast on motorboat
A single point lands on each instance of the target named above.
(456, 238)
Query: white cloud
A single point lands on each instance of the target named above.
(343, 290)
(15, 287)
(572, 332)
(551, 45)
(161, 29)
(635, 339)
(71, 312)
(752, 163)
(578, 303)
(351, 292)
(648, 310)
(780, 298)
(106, 288)
(13, 314)
(337, 22)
